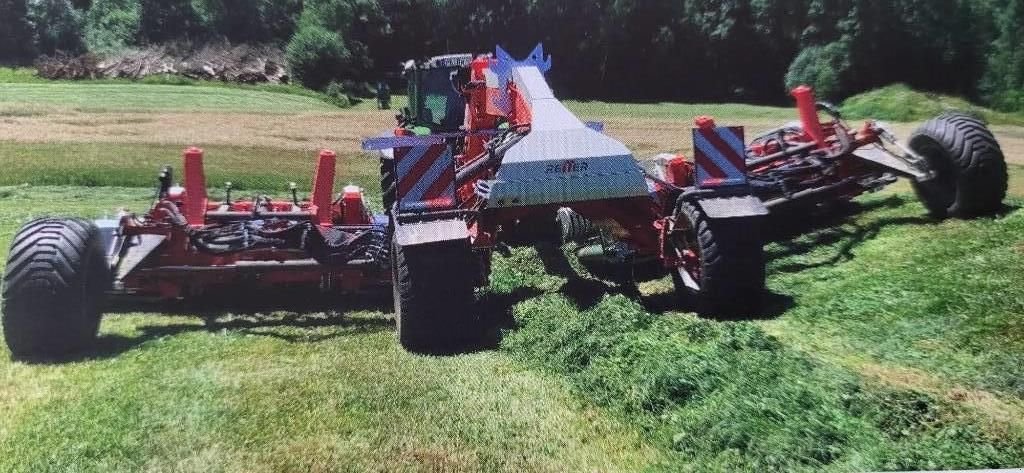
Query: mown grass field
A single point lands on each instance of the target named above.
(890, 341)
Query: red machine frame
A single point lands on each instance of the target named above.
(159, 258)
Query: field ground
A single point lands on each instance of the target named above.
(891, 341)
(61, 133)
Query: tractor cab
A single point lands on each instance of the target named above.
(436, 104)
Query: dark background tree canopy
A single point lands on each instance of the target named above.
(683, 50)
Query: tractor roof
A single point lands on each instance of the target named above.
(448, 60)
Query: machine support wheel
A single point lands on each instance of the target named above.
(53, 288)
(971, 170)
(434, 302)
(725, 276)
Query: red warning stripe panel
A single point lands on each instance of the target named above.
(410, 173)
(719, 156)
(439, 189)
(709, 167)
(735, 156)
(426, 177)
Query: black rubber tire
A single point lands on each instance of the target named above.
(732, 279)
(388, 185)
(434, 301)
(54, 286)
(972, 178)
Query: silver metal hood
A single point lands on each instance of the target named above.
(561, 159)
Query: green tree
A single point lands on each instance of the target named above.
(57, 26)
(15, 33)
(111, 25)
(821, 67)
(317, 56)
(929, 44)
(1003, 83)
(330, 43)
(243, 21)
(167, 20)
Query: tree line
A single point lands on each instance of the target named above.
(724, 50)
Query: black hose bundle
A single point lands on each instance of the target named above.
(249, 235)
(338, 246)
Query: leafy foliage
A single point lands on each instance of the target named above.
(166, 20)
(820, 67)
(1004, 80)
(317, 55)
(57, 25)
(337, 95)
(686, 50)
(241, 21)
(15, 33)
(111, 25)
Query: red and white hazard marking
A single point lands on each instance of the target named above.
(719, 156)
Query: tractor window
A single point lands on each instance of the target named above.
(440, 105)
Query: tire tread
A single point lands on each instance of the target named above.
(52, 287)
(975, 159)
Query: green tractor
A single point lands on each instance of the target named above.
(435, 103)
(436, 106)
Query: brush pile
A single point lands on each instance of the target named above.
(244, 64)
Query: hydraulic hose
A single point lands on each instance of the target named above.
(494, 155)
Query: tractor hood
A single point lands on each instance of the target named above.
(561, 159)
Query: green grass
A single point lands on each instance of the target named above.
(136, 165)
(20, 87)
(902, 104)
(22, 76)
(865, 299)
(892, 342)
(101, 97)
(19, 75)
(957, 318)
(320, 389)
(194, 397)
(588, 378)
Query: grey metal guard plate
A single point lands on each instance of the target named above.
(138, 253)
(411, 234)
(733, 207)
(888, 161)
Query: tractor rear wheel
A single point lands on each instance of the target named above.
(53, 289)
(433, 289)
(971, 170)
(724, 269)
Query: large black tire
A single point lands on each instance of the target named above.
(971, 170)
(731, 282)
(388, 184)
(54, 287)
(433, 291)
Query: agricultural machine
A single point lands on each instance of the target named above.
(483, 151)
(61, 271)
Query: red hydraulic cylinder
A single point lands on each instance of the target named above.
(807, 107)
(195, 187)
(323, 186)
